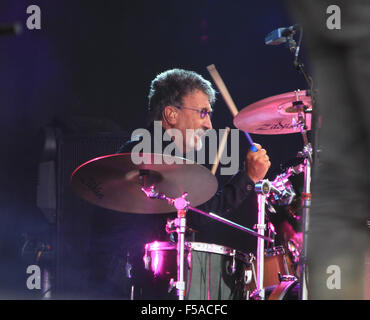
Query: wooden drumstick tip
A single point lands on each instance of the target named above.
(220, 150)
(223, 89)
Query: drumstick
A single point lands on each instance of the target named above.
(223, 90)
(229, 101)
(220, 150)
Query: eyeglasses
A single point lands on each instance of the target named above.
(203, 112)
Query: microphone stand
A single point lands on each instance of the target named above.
(307, 155)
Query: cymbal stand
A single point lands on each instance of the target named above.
(306, 197)
(181, 205)
(306, 154)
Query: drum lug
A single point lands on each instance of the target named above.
(171, 285)
(171, 226)
(287, 278)
(175, 284)
(147, 262)
(233, 265)
(248, 276)
(146, 258)
(128, 267)
(251, 257)
(232, 268)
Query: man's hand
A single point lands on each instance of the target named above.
(258, 163)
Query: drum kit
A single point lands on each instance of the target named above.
(163, 186)
(116, 183)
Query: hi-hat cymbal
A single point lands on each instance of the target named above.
(274, 115)
(115, 181)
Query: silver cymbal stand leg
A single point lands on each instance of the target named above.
(306, 196)
(181, 204)
(180, 229)
(306, 154)
(306, 204)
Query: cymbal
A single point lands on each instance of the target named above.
(274, 115)
(115, 181)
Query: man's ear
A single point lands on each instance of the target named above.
(170, 115)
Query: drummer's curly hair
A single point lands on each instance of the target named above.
(169, 88)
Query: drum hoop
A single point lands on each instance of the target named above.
(281, 290)
(215, 248)
(276, 251)
(160, 245)
(197, 246)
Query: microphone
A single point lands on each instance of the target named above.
(13, 29)
(280, 35)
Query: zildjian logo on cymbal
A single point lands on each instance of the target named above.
(275, 126)
(93, 186)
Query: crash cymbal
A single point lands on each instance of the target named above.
(274, 115)
(114, 182)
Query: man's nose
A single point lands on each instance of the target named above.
(207, 123)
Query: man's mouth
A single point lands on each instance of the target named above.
(200, 132)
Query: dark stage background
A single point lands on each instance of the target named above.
(96, 59)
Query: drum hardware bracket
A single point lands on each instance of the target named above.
(151, 193)
(132, 292)
(270, 208)
(256, 294)
(259, 226)
(171, 285)
(275, 251)
(248, 276)
(128, 267)
(265, 187)
(287, 277)
(306, 196)
(180, 285)
(282, 182)
(231, 268)
(306, 153)
(147, 259)
(252, 271)
(171, 226)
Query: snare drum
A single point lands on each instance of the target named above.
(212, 271)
